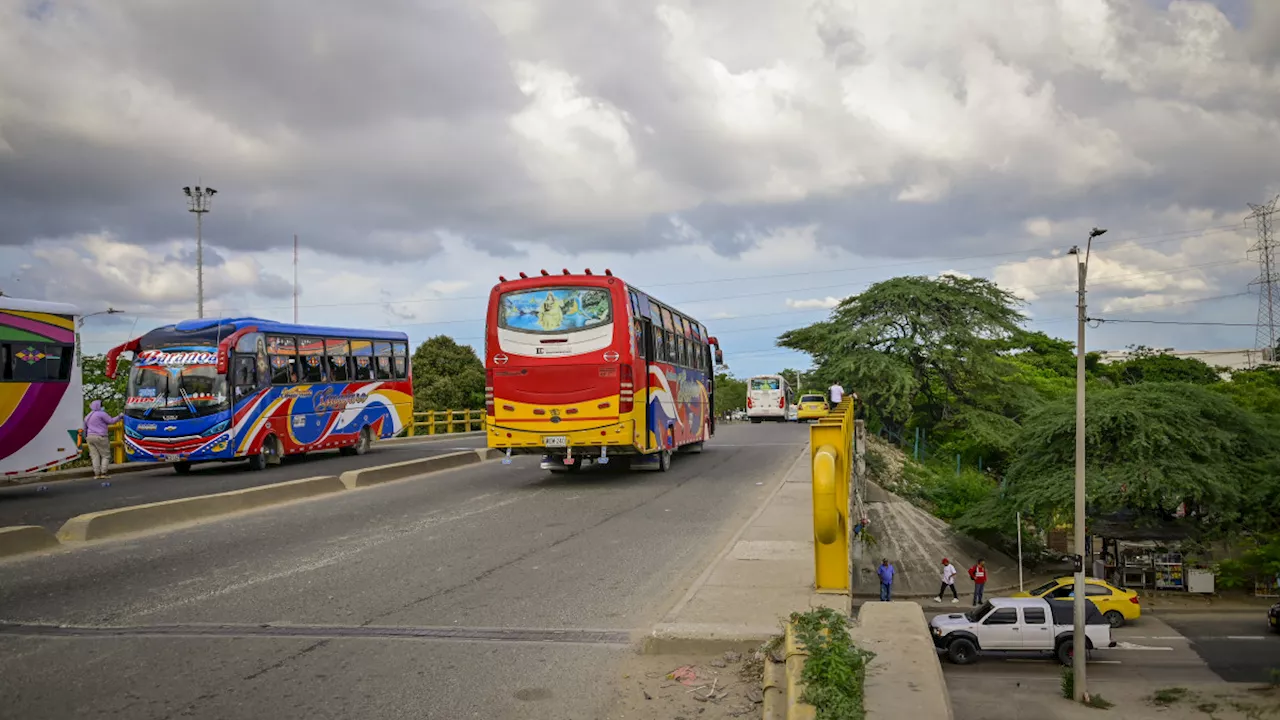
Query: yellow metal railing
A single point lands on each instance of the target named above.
(441, 422)
(831, 452)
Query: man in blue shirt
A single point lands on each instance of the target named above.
(885, 571)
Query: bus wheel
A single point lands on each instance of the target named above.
(361, 447)
(258, 463)
(182, 467)
(664, 461)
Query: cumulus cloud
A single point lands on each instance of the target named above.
(783, 154)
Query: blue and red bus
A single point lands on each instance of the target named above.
(246, 388)
(581, 367)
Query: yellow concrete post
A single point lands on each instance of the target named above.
(431, 423)
(413, 424)
(117, 444)
(830, 467)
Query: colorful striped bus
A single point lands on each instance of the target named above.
(584, 367)
(246, 388)
(41, 395)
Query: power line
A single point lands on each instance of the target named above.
(1100, 321)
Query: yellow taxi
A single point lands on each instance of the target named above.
(812, 407)
(1117, 606)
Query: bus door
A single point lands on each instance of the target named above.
(648, 350)
(249, 369)
(711, 391)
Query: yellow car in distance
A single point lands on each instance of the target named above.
(812, 407)
(1117, 606)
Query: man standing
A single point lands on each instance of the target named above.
(885, 571)
(978, 573)
(837, 394)
(948, 581)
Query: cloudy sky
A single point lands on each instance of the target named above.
(750, 161)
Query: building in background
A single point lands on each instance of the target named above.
(1231, 360)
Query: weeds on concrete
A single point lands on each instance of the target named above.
(1068, 687)
(1169, 696)
(835, 668)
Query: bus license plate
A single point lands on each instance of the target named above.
(555, 441)
(171, 458)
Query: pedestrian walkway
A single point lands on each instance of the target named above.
(767, 571)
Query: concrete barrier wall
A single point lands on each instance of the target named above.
(21, 539)
(905, 679)
(365, 477)
(139, 518)
(155, 516)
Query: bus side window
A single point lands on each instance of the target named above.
(339, 363)
(400, 351)
(362, 357)
(283, 352)
(311, 352)
(383, 352)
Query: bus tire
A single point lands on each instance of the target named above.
(664, 460)
(363, 443)
(258, 462)
(693, 448)
(182, 467)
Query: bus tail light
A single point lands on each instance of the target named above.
(488, 392)
(750, 404)
(627, 390)
(782, 402)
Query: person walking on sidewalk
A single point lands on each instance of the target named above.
(95, 430)
(948, 581)
(978, 573)
(885, 571)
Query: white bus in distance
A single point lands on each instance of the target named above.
(769, 397)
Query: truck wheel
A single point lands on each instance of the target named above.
(1115, 618)
(962, 651)
(1066, 652)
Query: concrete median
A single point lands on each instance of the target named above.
(366, 477)
(154, 516)
(22, 539)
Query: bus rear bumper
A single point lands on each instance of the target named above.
(614, 439)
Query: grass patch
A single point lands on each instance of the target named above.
(835, 669)
(1068, 685)
(1169, 696)
(1100, 703)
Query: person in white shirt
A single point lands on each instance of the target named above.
(948, 581)
(837, 394)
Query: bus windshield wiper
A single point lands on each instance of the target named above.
(165, 396)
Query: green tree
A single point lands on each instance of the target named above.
(1257, 390)
(1150, 448)
(914, 345)
(731, 393)
(97, 386)
(447, 376)
(1146, 365)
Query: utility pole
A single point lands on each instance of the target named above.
(1078, 635)
(198, 200)
(295, 279)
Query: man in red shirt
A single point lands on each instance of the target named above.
(978, 574)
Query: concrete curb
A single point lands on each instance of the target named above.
(430, 438)
(698, 638)
(365, 477)
(21, 539)
(154, 516)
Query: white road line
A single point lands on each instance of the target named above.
(1134, 646)
(1245, 637)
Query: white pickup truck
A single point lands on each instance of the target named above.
(1018, 625)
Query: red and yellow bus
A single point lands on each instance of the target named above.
(581, 368)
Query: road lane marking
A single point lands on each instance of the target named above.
(1135, 646)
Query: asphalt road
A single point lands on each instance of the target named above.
(52, 504)
(1172, 650)
(494, 591)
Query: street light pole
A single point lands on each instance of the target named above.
(1079, 642)
(198, 200)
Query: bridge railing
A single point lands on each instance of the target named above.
(443, 422)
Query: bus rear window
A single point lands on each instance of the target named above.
(554, 310)
(765, 384)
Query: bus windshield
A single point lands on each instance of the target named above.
(184, 383)
(555, 310)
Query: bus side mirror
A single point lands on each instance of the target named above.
(719, 356)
